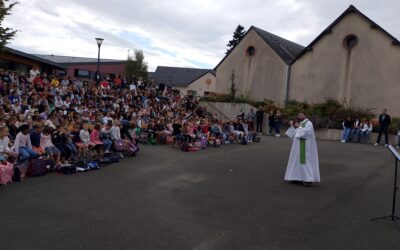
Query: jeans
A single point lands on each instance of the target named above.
(384, 130)
(72, 148)
(365, 136)
(25, 154)
(107, 144)
(278, 128)
(346, 134)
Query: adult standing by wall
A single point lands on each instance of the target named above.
(278, 123)
(259, 120)
(271, 122)
(347, 128)
(384, 122)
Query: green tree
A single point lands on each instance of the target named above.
(6, 34)
(237, 36)
(136, 66)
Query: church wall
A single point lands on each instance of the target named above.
(368, 74)
(262, 76)
(200, 85)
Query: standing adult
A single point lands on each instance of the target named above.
(347, 128)
(278, 123)
(259, 120)
(303, 162)
(250, 119)
(33, 73)
(271, 121)
(384, 122)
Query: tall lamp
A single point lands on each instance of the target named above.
(99, 42)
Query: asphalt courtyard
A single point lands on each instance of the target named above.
(232, 197)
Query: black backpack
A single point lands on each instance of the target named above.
(185, 147)
(244, 141)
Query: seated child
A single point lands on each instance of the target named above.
(23, 145)
(46, 143)
(5, 152)
(35, 138)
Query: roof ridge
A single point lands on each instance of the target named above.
(350, 9)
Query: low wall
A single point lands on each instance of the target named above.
(231, 110)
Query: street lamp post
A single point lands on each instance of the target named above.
(99, 42)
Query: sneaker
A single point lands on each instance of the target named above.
(307, 184)
(343, 141)
(376, 144)
(277, 135)
(107, 152)
(260, 133)
(386, 145)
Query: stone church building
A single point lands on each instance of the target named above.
(353, 59)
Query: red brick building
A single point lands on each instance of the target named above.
(87, 67)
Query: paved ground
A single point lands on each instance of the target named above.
(232, 197)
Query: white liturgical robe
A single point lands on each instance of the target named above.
(303, 162)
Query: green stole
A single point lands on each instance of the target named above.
(303, 145)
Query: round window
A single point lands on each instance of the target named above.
(251, 51)
(350, 41)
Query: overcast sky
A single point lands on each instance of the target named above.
(190, 33)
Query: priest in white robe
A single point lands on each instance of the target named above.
(303, 162)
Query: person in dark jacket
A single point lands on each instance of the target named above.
(384, 122)
(348, 125)
(259, 120)
(271, 121)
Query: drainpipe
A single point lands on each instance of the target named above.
(287, 83)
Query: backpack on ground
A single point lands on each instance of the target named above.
(217, 143)
(243, 140)
(20, 171)
(82, 165)
(6, 173)
(68, 169)
(37, 167)
(185, 147)
(93, 165)
(120, 145)
(203, 142)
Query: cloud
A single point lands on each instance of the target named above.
(174, 32)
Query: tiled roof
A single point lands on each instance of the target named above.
(179, 77)
(33, 57)
(285, 49)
